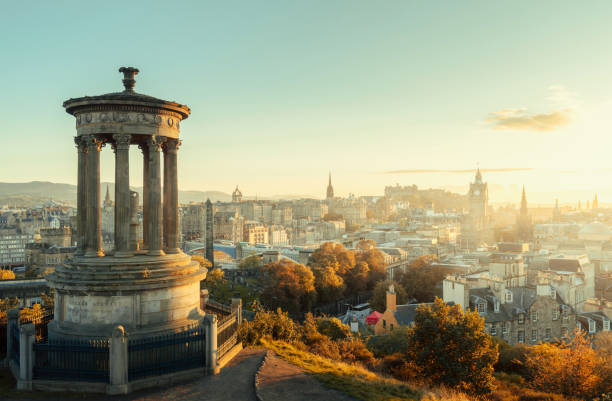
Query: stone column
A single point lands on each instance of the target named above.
(118, 361)
(133, 221)
(12, 319)
(237, 308)
(27, 336)
(210, 325)
(81, 194)
(145, 195)
(171, 195)
(122, 194)
(94, 233)
(155, 229)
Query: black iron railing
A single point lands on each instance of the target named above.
(159, 355)
(227, 335)
(73, 361)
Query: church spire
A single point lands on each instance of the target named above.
(330, 188)
(524, 203)
(107, 199)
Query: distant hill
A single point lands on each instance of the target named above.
(36, 192)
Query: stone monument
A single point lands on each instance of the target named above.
(147, 290)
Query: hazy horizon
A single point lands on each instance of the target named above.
(281, 92)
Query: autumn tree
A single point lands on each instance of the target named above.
(7, 274)
(449, 346)
(570, 367)
(333, 255)
(328, 284)
(379, 295)
(288, 285)
(376, 264)
(356, 278)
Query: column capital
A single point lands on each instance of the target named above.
(172, 145)
(93, 142)
(81, 144)
(155, 143)
(121, 141)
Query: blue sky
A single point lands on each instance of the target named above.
(281, 92)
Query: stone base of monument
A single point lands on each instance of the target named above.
(144, 294)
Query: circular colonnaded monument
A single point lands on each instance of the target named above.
(147, 289)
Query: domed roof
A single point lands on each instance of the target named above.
(595, 228)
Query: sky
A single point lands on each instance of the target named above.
(282, 92)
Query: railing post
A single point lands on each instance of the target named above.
(27, 337)
(237, 308)
(118, 355)
(12, 317)
(212, 362)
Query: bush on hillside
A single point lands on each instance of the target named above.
(274, 324)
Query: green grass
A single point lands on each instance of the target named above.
(350, 379)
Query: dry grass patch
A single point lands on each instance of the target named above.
(350, 379)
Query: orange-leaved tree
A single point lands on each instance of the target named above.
(449, 346)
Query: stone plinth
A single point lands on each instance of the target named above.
(144, 294)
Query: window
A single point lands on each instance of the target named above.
(384, 324)
(534, 316)
(521, 319)
(508, 296)
(494, 330)
(534, 335)
(555, 314)
(505, 328)
(606, 325)
(521, 336)
(391, 326)
(547, 334)
(564, 331)
(592, 326)
(496, 306)
(565, 315)
(482, 306)
(553, 293)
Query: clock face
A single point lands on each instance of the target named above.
(477, 192)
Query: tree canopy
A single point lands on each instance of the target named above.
(288, 285)
(449, 347)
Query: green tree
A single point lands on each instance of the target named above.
(250, 262)
(449, 347)
(422, 280)
(379, 295)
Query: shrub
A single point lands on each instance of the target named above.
(274, 324)
(333, 328)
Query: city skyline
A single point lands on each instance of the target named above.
(283, 93)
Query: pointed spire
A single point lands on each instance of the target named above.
(524, 203)
(107, 199)
(330, 188)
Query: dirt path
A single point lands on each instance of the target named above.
(279, 381)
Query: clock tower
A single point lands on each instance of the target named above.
(478, 197)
